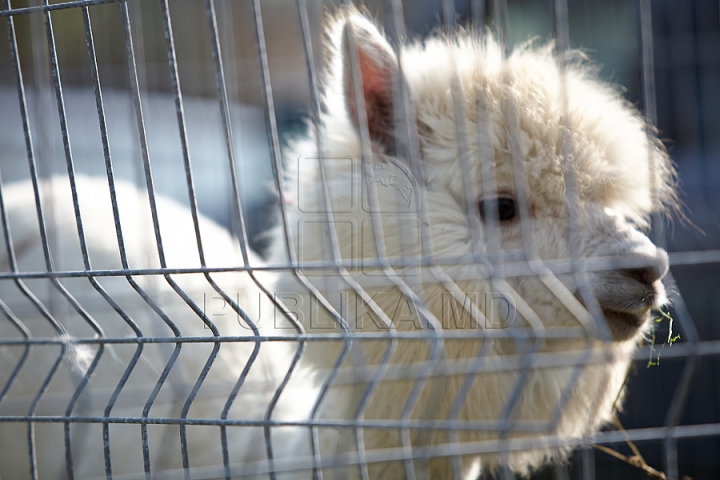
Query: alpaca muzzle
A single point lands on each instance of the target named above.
(628, 295)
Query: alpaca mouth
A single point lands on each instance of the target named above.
(624, 325)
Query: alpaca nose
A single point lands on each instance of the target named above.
(656, 269)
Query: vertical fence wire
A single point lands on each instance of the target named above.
(229, 143)
(45, 313)
(274, 141)
(471, 206)
(140, 121)
(172, 61)
(316, 108)
(119, 235)
(689, 330)
(228, 129)
(81, 236)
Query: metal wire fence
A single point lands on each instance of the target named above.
(141, 338)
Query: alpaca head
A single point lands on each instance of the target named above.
(515, 159)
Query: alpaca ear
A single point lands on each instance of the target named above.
(376, 69)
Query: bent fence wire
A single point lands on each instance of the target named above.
(60, 340)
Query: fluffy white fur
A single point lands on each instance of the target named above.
(180, 250)
(515, 109)
(519, 114)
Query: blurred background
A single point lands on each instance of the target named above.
(687, 72)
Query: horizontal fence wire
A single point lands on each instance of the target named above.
(513, 266)
(9, 12)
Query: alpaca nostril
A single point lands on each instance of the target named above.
(651, 273)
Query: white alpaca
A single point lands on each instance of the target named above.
(408, 197)
(394, 204)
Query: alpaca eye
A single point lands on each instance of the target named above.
(504, 206)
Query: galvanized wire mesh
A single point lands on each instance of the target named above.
(157, 359)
